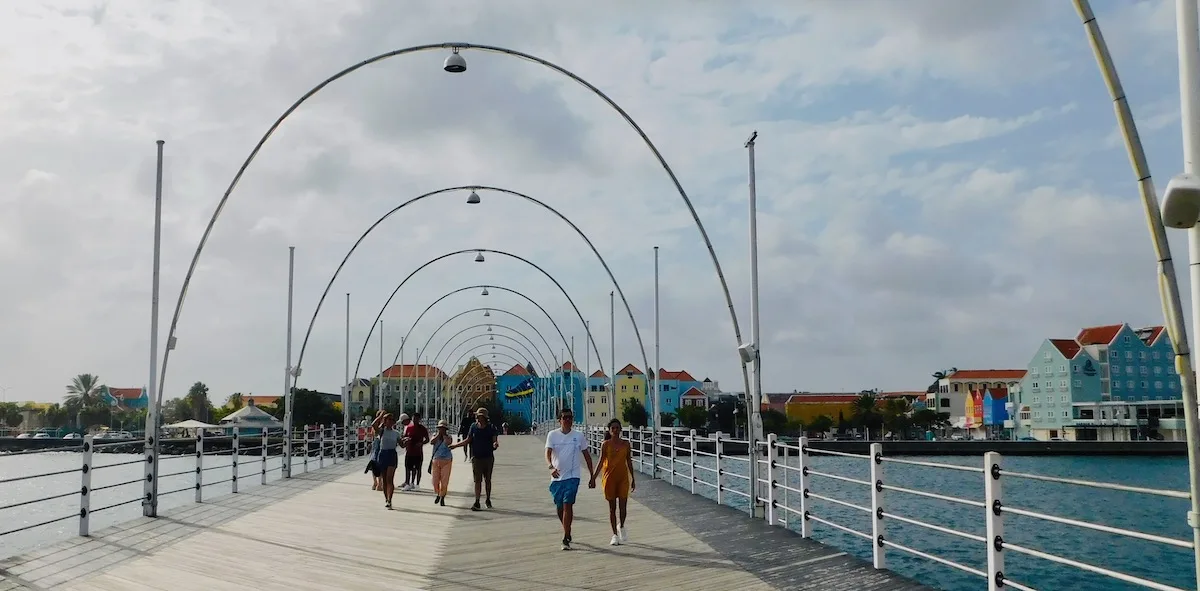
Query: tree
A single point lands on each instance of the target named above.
(516, 422)
(175, 410)
(309, 408)
(821, 424)
(634, 412)
(235, 401)
(666, 419)
(83, 392)
(692, 417)
(896, 415)
(865, 411)
(774, 421)
(199, 407)
(10, 415)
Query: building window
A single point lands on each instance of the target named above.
(1158, 385)
(1066, 414)
(1145, 384)
(1125, 340)
(604, 400)
(1048, 356)
(1143, 356)
(1129, 369)
(1171, 385)
(591, 400)
(1129, 384)
(1033, 372)
(1143, 369)
(1074, 368)
(1128, 355)
(1078, 383)
(1062, 398)
(1156, 354)
(622, 387)
(1035, 386)
(592, 415)
(1062, 369)
(1157, 371)
(1037, 399)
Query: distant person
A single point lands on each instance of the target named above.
(373, 462)
(616, 467)
(443, 461)
(563, 448)
(464, 429)
(484, 440)
(389, 440)
(415, 438)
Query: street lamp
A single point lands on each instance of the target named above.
(455, 62)
(487, 313)
(479, 259)
(473, 198)
(485, 291)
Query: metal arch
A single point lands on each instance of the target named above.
(503, 311)
(476, 398)
(532, 357)
(426, 47)
(531, 360)
(582, 321)
(472, 350)
(328, 286)
(501, 288)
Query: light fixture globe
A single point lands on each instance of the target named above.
(487, 313)
(485, 291)
(479, 257)
(489, 329)
(491, 338)
(473, 198)
(455, 63)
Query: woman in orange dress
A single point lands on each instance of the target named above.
(616, 467)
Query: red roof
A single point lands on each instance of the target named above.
(680, 375)
(837, 398)
(1099, 335)
(631, 368)
(517, 370)
(694, 392)
(988, 375)
(598, 374)
(998, 393)
(1069, 348)
(125, 393)
(413, 371)
(568, 366)
(1150, 334)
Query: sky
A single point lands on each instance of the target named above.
(940, 184)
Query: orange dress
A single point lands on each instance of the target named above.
(616, 471)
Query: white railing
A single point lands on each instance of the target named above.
(270, 451)
(790, 483)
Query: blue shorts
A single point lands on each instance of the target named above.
(564, 491)
(387, 459)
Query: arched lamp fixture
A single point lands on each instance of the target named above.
(485, 292)
(473, 198)
(455, 63)
(479, 257)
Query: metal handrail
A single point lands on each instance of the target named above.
(769, 488)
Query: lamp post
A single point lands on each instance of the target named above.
(655, 395)
(753, 351)
(153, 393)
(287, 371)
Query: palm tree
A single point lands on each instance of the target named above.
(83, 392)
(896, 414)
(235, 401)
(865, 412)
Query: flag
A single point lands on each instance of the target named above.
(525, 388)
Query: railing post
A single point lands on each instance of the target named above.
(994, 520)
(199, 464)
(692, 458)
(266, 439)
(786, 518)
(85, 491)
(234, 456)
(720, 473)
(306, 452)
(321, 447)
(802, 485)
(333, 445)
(877, 524)
(772, 454)
(672, 457)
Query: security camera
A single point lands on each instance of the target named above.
(747, 352)
(1181, 202)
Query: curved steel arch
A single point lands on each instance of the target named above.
(502, 191)
(501, 288)
(535, 350)
(532, 357)
(502, 311)
(532, 360)
(427, 47)
(582, 321)
(456, 406)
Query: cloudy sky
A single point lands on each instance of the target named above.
(940, 182)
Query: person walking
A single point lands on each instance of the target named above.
(373, 462)
(616, 468)
(443, 461)
(389, 440)
(563, 448)
(464, 429)
(483, 440)
(415, 438)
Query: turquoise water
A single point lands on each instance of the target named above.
(1145, 513)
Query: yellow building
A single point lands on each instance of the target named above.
(474, 384)
(806, 407)
(629, 384)
(595, 402)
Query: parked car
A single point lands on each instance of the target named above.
(41, 435)
(25, 436)
(72, 436)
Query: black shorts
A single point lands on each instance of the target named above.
(387, 459)
(481, 468)
(413, 462)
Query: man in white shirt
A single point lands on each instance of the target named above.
(563, 447)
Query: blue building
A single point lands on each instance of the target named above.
(672, 385)
(125, 398)
(1098, 384)
(515, 389)
(567, 382)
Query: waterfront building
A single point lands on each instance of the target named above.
(402, 384)
(630, 383)
(596, 403)
(950, 394)
(671, 385)
(839, 406)
(776, 402)
(473, 384)
(1139, 390)
(360, 397)
(996, 421)
(696, 397)
(125, 398)
(567, 384)
(515, 388)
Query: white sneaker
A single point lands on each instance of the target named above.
(615, 541)
(622, 534)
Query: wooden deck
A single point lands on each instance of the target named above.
(328, 530)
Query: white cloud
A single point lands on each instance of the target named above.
(919, 205)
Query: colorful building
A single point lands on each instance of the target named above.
(696, 397)
(516, 388)
(125, 398)
(567, 383)
(950, 394)
(472, 384)
(996, 421)
(630, 384)
(596, 402)
(360, 397)
(672, 385)
(806, 406)
(404, 385)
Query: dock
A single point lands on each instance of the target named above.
(328, 530)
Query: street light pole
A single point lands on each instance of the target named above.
(754, 426)
(154, 408)
(381, 368)
(655, 410)
(612, 368)
(287, 372)
(346, 375)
